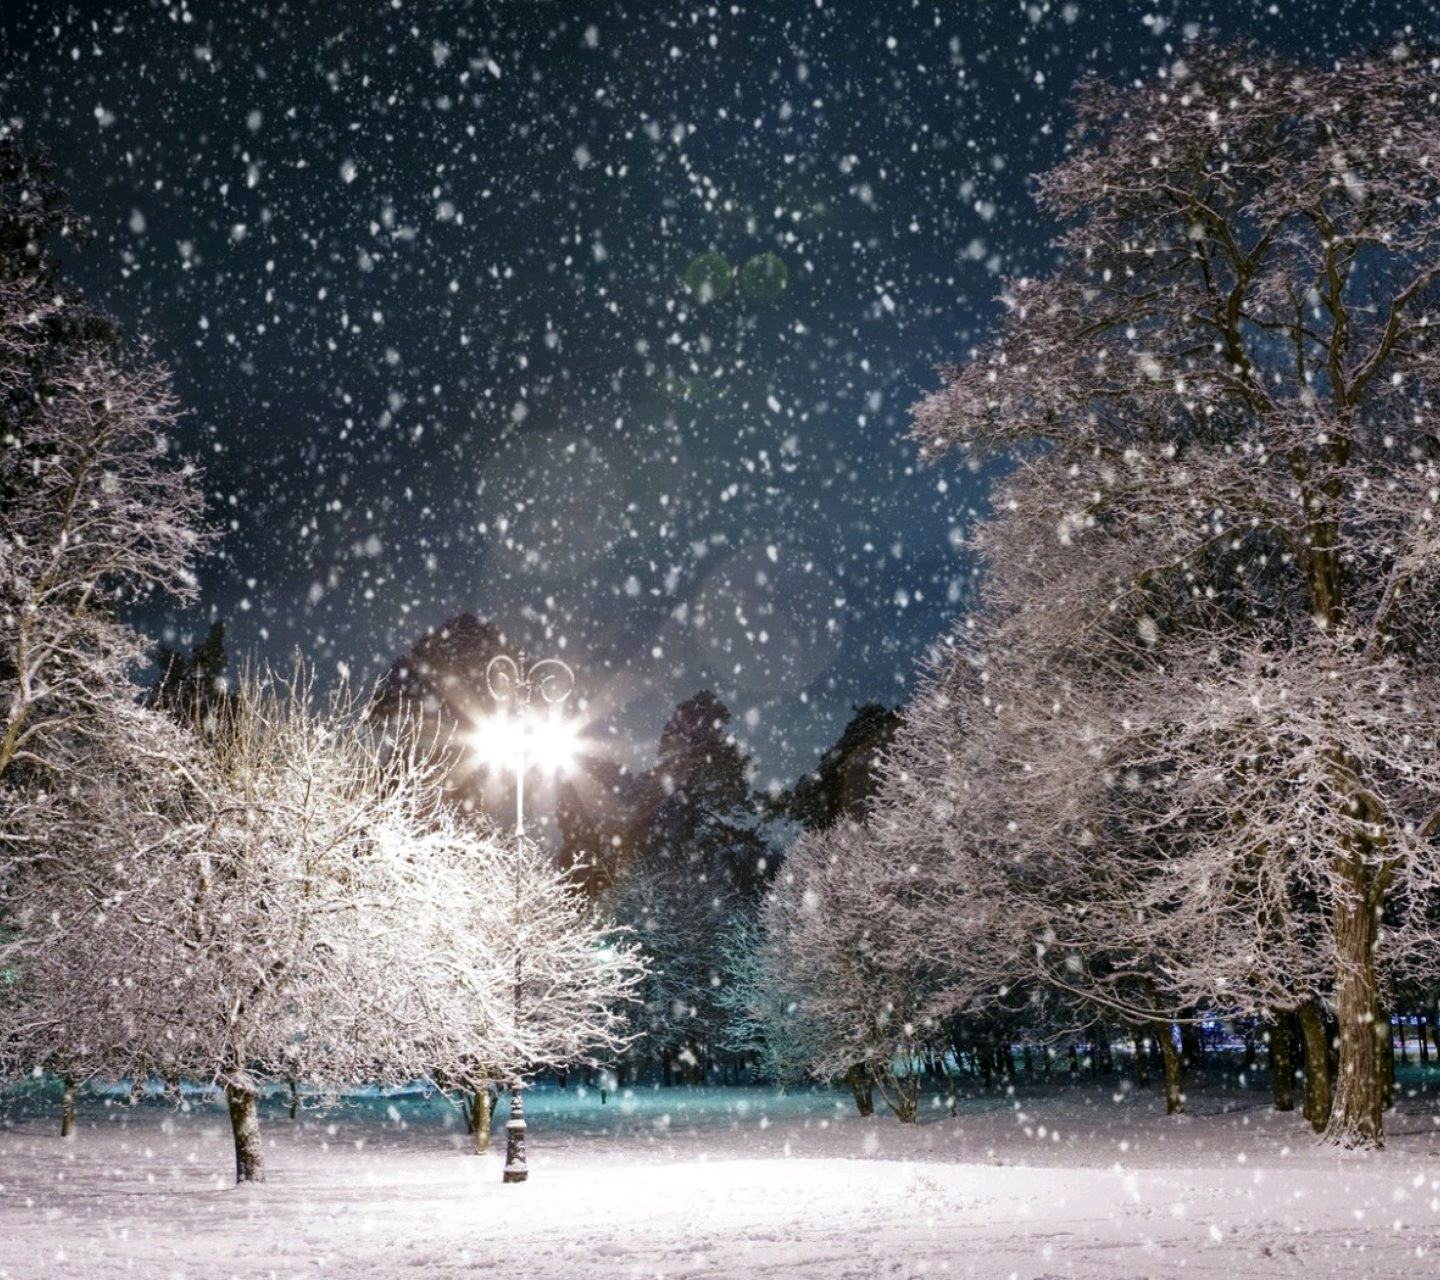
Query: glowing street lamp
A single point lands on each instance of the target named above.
(526, 733)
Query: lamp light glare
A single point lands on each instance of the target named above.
(549, 743)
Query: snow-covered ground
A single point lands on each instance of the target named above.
(1075, 1180)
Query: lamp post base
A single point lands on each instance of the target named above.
(515, 1167)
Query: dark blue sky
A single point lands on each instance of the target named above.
(420, 271)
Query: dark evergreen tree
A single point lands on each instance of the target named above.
(842, 784)
(444, 672)
(706, 821)
(193, 688)
(692, 856)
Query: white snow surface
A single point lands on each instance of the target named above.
(1078, 1180)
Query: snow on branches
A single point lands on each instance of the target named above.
(842, 989)
(1205, 709)
(95, 508)
(303, 907)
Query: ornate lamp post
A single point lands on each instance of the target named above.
(514, 685)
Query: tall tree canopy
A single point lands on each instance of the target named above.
(443, 674)
(843, 784)
(705, 822)
(96, 510)
(1203, 659)
(692, 855)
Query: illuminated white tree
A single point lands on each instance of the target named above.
(83, 868)
(295, 901)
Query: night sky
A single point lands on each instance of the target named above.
(432, 279)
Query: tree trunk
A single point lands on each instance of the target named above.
(481, 1106)
(1103, 1057)
(1192, 1046)
(984, 1064)
(907, 1091)
(1356, 1112)
(957, 1046)
(67, 1108)
(1004, 1059)
(1317, 1066)
(245, 1129)
(1385, 1031)
(858, 1078)
(1174, 1071)
(1142, 1058)
(1282, 1063)
(901, 1092)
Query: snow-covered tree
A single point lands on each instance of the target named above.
(96, 512)
(291, 935)
(82, 865)
(96, 509)
(853, 993)
(763, 1010)
(680, 922)
(359, 927)
(1040, 909)
(301, 905)
(568, 981)
(1213, 574)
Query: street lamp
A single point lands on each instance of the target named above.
(528, 737)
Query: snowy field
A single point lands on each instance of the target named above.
(1077, 1181)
